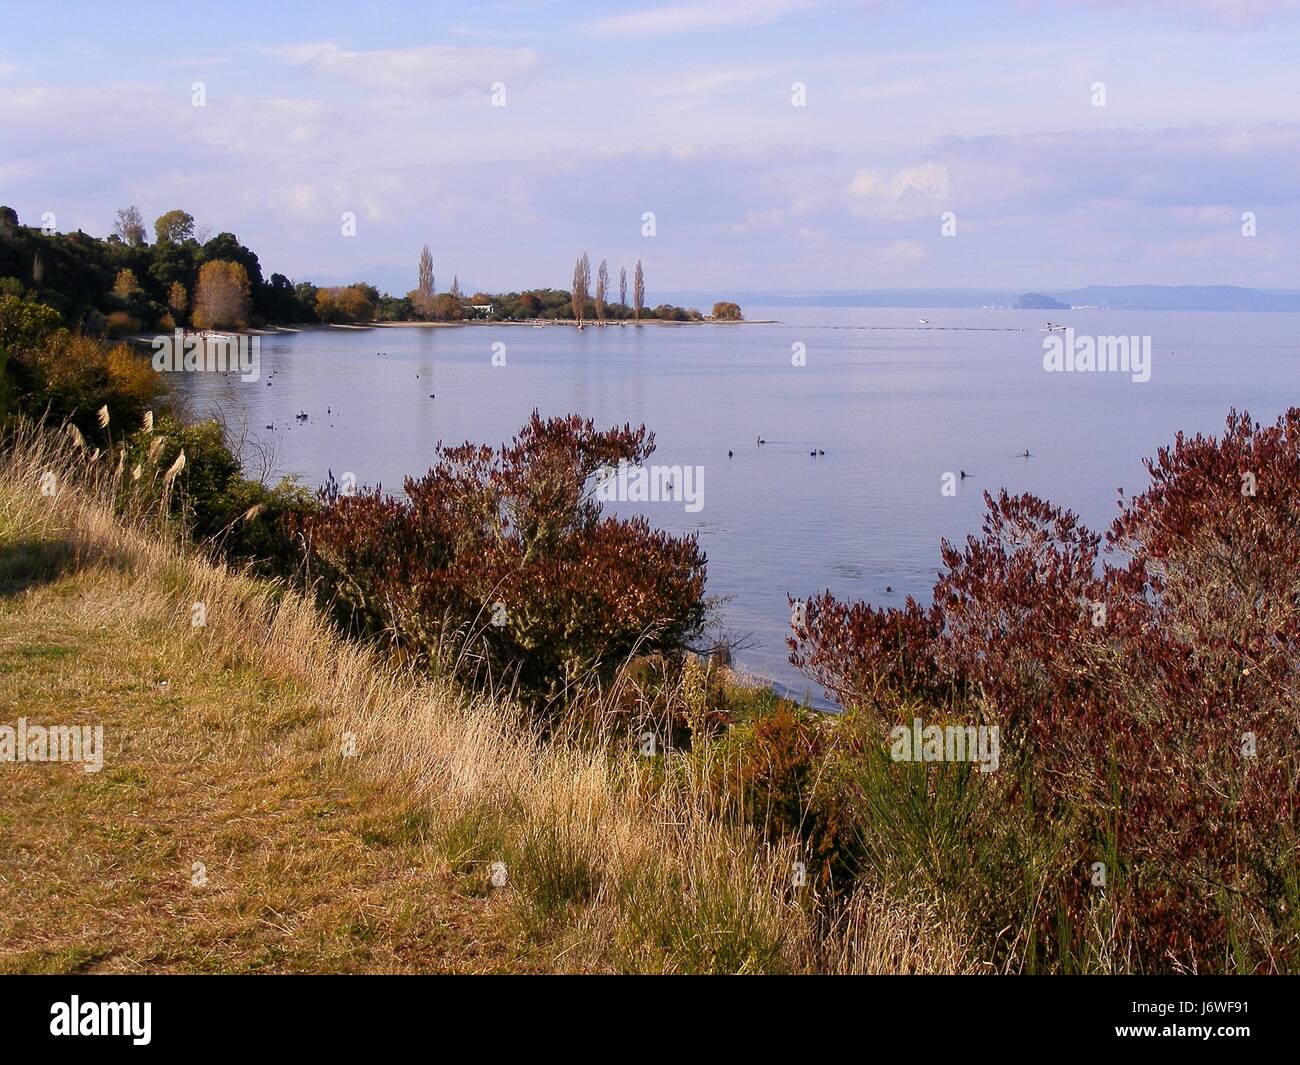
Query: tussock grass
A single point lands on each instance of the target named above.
(224, 745)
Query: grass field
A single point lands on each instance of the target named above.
(228, 832)
(225, 832)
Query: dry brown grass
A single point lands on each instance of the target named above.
(317, 862)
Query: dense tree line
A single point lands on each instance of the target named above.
(122, 285)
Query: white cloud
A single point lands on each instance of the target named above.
(685, 18)
(1242, 12)
(889, 90)
(430, 68)
(705, 81)
(1187, 166)
(1209, 215)
(900, 251)
(196, 62)
(913, 192)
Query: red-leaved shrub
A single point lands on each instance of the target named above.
(1148, 691)
(502, 560)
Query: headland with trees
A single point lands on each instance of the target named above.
(125, 284)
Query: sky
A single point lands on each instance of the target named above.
(780, 145)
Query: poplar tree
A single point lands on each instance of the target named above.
(602, 287)
(581, 285)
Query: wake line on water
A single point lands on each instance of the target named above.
(920, 328)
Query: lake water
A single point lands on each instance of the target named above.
(893, 404)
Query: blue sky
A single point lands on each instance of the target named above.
(683, 109)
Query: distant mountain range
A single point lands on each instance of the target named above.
(1111, 297)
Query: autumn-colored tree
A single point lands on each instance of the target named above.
(504, 558)
(69, 376)
(222, 296)
(126, 285)
(178, 300)
(354, 303)
(447, 308)
(638, 289)
(725, 311)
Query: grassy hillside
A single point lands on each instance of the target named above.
(219, 749)
(223, 745)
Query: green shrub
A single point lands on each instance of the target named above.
(211, 499)
(779, 765)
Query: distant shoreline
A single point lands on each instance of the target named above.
(546, 322)
(307, 327)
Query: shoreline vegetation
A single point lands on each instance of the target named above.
(453, 838)
(304, 327)
(1079, 757)
(668, 818)
(123, 286)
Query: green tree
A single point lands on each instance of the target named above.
(25, 325)
(174, 227)
(174, 263)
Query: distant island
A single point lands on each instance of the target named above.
(1103, 297)
(1036, 301)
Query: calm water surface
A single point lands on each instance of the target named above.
(893, 404)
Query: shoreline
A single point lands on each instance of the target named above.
(544, 322)
(147, 339)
